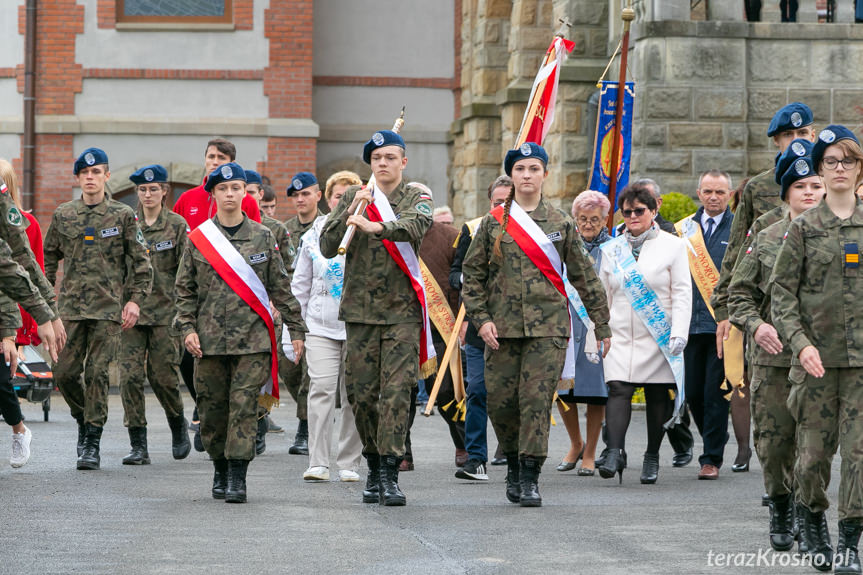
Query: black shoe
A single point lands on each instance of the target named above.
(474, 470)
(513, 481)
(818, 538)
(371, 494)
(615, 462)
(601, 459)
(235, 492)
(138, 455)
(82, 432)
(650, 468)
(180, 444)
(765, 500)
(802, 546)
(682, 458)
(499, 457)
(390, 494)
(261, 436)
(782, 523)
(528, 475)
(273, 427)
(847, 557)
(197, 441)
(301, 440)
(741, 462)
(90, 455)
(220, 478)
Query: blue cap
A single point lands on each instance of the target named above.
(799, 169)
(526, 150)
(253, 177)
(90, 157)
(794, 115)
(224, 173)
(380, 140)
(301, 181)
(827, 137)
(796, 149)
(153, 174)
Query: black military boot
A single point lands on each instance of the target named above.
(513, 485)
(261, 436)
(220, 478)
(847, 557)
(90, 455)
(650, 468)
(180, 444)
(528, 475)
(138, 455)
(301, 440)
(390, 494)
(818, 538)
(82, 432)
(235, 492)
(371, 494)
(799, 535)
(782, 523)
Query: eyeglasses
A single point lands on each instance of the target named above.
(583, 220)
(833, 163)
(637, 212)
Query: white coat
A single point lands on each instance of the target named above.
(634, 356)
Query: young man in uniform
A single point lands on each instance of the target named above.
(383, 316)
(103, 252)
(267, 203)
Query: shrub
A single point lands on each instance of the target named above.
(677, 206)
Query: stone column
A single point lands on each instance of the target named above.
(725, 10)
(845, 11)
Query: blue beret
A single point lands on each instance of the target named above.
(526, 150)
(794, 115)
(380, 140)
(253, 177)
(827, 137)
(90, 157)
(799, 169)
(154, 174)
(225, 173)
(797, 149)
(301, 181)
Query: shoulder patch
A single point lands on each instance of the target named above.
(139, 237)
(14, 217)
(424, 209)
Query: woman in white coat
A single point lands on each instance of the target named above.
(317, 285)
(637, 358)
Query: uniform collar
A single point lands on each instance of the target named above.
(540, 214)
(160, 222)
(397, 194)
(830, 220)
(99, 208)
(243, 233)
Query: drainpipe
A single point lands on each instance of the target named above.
(29, 147)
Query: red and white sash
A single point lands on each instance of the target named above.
(540, 250)
(407, 260)
(242, 279)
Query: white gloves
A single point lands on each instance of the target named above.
(676, 345)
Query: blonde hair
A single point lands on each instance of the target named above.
(344, 177)
(850, 149)
(7, 172)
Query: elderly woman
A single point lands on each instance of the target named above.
(590, 210)
(646, 276)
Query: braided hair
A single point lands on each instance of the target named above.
(506, 207)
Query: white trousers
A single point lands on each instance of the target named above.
(326, 363)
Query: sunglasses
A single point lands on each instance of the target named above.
(637, 212)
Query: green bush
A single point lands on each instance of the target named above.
(677, 206)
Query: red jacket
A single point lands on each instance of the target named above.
(196, 205)
(27, 332)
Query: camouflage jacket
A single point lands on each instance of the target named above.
(165, 239)
(749, 292)
(10, 317)
(376, 291)
(283, 238)
(94, 244)
(296, 229)
(760, 195)
(816, 285)
(206, 305)
(514, 294)
(15, 284)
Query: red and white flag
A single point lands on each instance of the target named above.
(540, 109)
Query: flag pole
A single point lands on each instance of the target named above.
(627, 15)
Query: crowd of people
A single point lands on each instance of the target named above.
(352, 310)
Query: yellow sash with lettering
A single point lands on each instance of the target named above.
(706, 276)
(443, 319)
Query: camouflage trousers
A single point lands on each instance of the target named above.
(773, 428)
(828, 412)
(295, 378)
(381, 368)
(91, 349)
(228, 387)
(521, 377)
(154, 352)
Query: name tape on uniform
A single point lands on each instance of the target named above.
(166, 245)
(110, 232)
(258, 258)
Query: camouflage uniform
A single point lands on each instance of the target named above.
(153, 348)
(15, 286)
(95, 244)
(532, 323)
(382, 318)
(234, 340)
(760, 196)
(816, 301)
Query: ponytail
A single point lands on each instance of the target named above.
(506, 207)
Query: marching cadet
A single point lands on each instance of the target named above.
(519, 304)
(229, 275)
(385, 321)
(769, 357)
(152, 347)
(816, 286)
(95, 237)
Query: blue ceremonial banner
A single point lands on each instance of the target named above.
(600, 178)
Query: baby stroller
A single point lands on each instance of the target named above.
(34, 378)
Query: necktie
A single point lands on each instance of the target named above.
(710, 224)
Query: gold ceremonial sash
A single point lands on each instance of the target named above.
(706, 276)
(443, 319)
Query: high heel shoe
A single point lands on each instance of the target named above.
(741, 464)
(650, 468)
(570, 465)
(614, 463)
